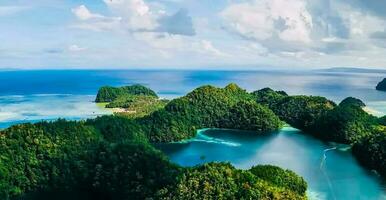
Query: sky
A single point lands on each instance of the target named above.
(184, 34)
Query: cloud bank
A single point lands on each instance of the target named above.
(182, 34)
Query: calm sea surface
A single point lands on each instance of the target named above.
(330, 169)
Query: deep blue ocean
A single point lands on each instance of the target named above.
(330, 169)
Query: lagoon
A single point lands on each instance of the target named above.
(329, 168)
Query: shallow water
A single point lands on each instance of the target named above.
(329, 169)
(15, 109)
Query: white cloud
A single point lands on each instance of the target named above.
(135, 20)
(136, 14)
(207, 47)
(361, 24)
(179, 23)
(84, 14)
(76, 48)
(94, 21)
(287, 19)
(307, 29)
(246, 32)
(171, 45)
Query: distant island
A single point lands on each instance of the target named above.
(130, 101)
(381, 85)
(352, 70)
(113, 157)
(109, 94)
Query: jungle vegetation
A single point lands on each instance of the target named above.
(344, 123)
(109, 94)
(112, 157)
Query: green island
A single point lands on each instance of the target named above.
(381, 85)
(112, 157)
(130, 101)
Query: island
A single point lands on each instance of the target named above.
(381, 85)
(109, 94)
(113, 156)
(130, 101)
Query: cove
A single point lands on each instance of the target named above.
(329, 169)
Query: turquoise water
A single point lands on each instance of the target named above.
(15, 109)
(329, 169)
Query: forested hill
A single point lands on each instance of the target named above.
(111, 158)
(209, 107)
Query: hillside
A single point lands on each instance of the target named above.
(209, 107)
(111, 157)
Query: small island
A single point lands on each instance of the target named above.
(113, 156)
(381, 85)
(131, 101)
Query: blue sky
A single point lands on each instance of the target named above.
(180, 34)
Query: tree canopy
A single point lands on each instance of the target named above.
(209, 107)
(223, 181)
(109, 94)
(111, 157)
(345, 123)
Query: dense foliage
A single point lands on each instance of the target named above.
(133, 101)
(209, 107)
(78, 160)
(116, 128)
(382, 121)
(269, 97)
(135, 106)
(127, 171)
(303, 112)
(109, 94)
(280, 177)
(36, 156)
(346, 123)
(381, 85)
(223, 181)
(353, 102)
(105, 158)
(110, 158)
(371, 150)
